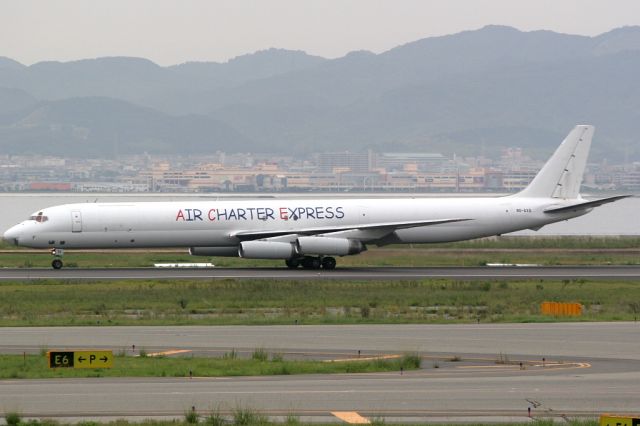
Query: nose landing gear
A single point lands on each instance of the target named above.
(57, 262)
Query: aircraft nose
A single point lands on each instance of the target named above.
(12, 235)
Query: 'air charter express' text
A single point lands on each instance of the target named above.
(261, 213)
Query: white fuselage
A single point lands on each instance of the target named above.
(217, 223)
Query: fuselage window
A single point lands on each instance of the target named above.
(40, 217)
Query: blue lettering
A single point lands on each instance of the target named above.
(329, 212)
(263, 213)
(270, 213)
(292, 213)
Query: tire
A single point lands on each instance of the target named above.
(56, 264)
(328, 263)
(292, 263)
(311, 263)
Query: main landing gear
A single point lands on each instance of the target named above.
(57, 262)
(311, 262)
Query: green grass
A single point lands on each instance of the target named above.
(249, 417)
(513, 242)
(546, 242)
(401, 257)
(48, 303)
(542, 250)
(35, 367)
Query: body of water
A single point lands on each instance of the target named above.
(617, 218)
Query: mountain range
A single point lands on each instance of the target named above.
(472, 92)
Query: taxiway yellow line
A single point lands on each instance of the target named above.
(166, 353)
(489, 366)
(368, 358)
(351, 417)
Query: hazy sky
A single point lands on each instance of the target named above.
(175, 31)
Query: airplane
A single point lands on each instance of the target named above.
(311, 233)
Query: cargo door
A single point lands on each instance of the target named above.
(76, 221)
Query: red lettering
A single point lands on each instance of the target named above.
(212, 214)
(283, 213)
(180, 215)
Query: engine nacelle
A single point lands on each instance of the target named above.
(266, 250)
(328, 246)
(214, 251)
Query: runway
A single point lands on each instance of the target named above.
(374, 273)
(590, 368)
(373, 395)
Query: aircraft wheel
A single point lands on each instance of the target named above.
(292, 263)
(56, 264)
(311, 263)
(328, 263)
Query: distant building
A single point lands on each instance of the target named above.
(514, 180)
(50, 186)
(328, 162)
(396, 161)
(629, 180)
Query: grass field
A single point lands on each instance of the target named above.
(307, 302)
(512, 242)
(311, 302)
(242, 416)
(35, 366)
(539, 250)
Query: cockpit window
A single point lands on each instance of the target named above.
(39, 217)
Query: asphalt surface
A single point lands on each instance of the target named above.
(381, 395)
(377, 273)
(589, 368)
(620, 340)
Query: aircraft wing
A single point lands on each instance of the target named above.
(383, 228)
(585, 205)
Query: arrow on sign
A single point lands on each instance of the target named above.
(94, 359)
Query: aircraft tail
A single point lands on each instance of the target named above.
(561, 176)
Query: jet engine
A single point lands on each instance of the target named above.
(266, 250)
(214, 251)
(328, 246)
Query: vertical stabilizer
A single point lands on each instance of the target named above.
(561, 176)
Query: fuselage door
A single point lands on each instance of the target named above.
(76, 221)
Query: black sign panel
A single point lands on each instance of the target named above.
(60, 359)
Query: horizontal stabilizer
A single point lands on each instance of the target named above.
(391, 226)
(585, 205)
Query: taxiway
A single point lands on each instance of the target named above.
(590, 368)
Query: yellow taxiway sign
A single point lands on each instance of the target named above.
(615, 420)
(80, 359)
